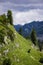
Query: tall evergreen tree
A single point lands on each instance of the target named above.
(10, 18)
(33, 37)
(20, 31)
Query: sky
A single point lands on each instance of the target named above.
(24, 11)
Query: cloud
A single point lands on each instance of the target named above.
(23, 13)
(26, 1)
(20, 7)
(23, 1)
(25, 7)
(28, 16)
(3, 0)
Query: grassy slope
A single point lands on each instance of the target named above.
(18, 51)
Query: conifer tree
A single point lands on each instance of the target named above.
(20, 31)
(33, 37)
(10, 18)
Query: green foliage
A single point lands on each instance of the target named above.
(41, 60)
(3, 19)
(1, 39)
(7, 19)
(28, 37)
(10, 35)
(2, 34)
(5, 31)
(33, 37)
(7, 61)
(40, 45)
(29, 50)
(16, 50)
(9, 16)
(20, 31)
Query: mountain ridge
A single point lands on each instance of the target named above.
(37, 25)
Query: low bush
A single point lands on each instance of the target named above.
(7, 62)
(11, 35)
(29, 50)
(41, 60)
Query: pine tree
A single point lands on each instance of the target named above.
(20, 31)
(33, 37)
(10, 18)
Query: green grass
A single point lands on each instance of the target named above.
(18, 50)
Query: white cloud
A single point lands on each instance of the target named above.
(10, 5)
(28, 16)
(22, 17)
(1, 10)
(27, 5)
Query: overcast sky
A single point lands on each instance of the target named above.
(24, 11)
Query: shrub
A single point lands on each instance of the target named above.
(20, 31)
(33, 36)
(41, 60)
(2, 39)
(3, 19)
(2, 34)
(40, 45)
(7, 62)
(11, 35)
(29, 50)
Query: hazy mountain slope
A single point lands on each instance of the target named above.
(26, 29)
(17, 49)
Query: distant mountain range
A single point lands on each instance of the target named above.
(26, 29)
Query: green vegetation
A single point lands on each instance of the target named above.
(9, 16)
(15, 50)
(5, 19)
(20, 31)
(33, 37)
(40, 45)
(7, 62)
(41, 60)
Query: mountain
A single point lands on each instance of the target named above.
(17, 49)
(17, 27)
(37, 25)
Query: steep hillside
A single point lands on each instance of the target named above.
(16, 48)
